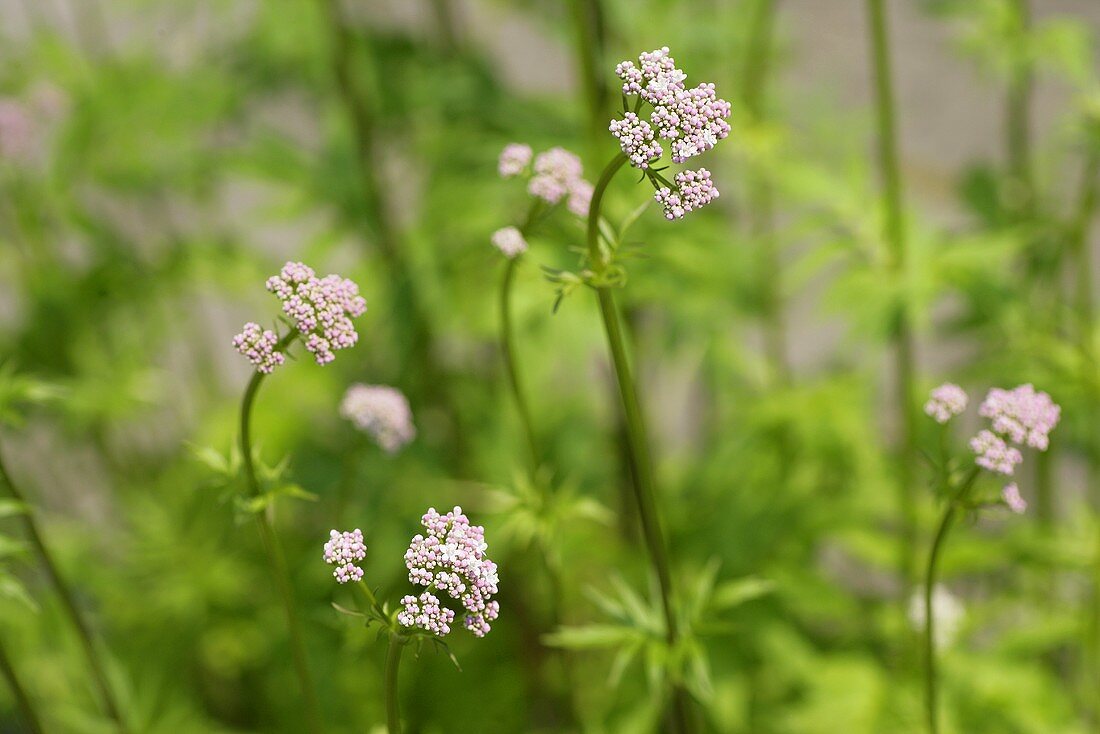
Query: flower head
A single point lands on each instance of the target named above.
(258, 346)
(947, 612)
(636, 139)
(946, 401)
(320, 308)
(994, 454)
(451, 559)
(580, 197)
(1011, 496)
(556, 171)
(514, 160)
(427, 613)
(1022, 414)
(381, 411)
(344, 550)
(510, 241)
(694, 189)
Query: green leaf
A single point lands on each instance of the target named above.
(735, 593)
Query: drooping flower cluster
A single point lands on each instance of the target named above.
(1021, 414)
(344, 550)
(946, 401)
(451, 559)
(692, 120)
(514, 160)
(382, 412)
(947, 612)
(510, 241)
(320, 308)
(694, 189)
(258, 345)
(427, 613)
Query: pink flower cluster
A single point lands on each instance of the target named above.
(556, 175)
(694, 189)
(510, 241)
(514, 160)
(636, 139)
(344, 550)
(1021, 414)
(451, 558)
(427, 613)
(1012, 498)
(994, 454)
(381, 411)
(258, 346)
(946, 401)
(320, 308)
(693, 119)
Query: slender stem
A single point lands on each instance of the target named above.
(68, 601)
(275, 553)
(894, 234)
(760, 194)
(507, 348)
(393, 662)
(408, 302)
(644, 491)
(931, 680)
(1018, 116)
(22, 700)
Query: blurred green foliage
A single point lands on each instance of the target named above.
(183, 150)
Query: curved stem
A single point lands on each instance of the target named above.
(393, 663)
(644, 492)
(931, 679)
(274, 551)
(68, 602)
(22, 700)
(894, 234)
(507, 348)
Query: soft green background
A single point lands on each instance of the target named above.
(184, 149)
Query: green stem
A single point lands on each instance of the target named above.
(894, 234)
(68, 601)
(274, 551)
(931, 680)
(1018, 117)
(393, 663)
(644, 490)
(507, 348)
(22, 700)
(760, 193)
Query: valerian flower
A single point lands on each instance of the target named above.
(510, 241)
(1013, 499)
(382, 412)
(344, 550)
(450, 559)
(945, 402)
(691, 120)
(319, 309)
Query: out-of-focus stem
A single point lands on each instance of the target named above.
(760, 193)
(931, 681)
(588, 36)
(1018, 118)
(22, 700)
(507, 349)
(274, 551)
(894, 234)
(408, 303)
(393, 663)
(68, 601)
(447, 24)
(645, 493)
